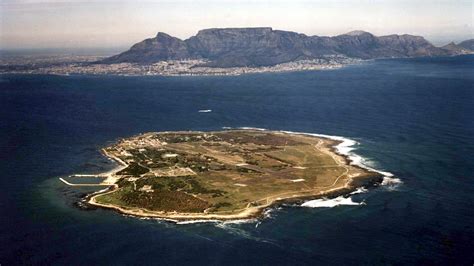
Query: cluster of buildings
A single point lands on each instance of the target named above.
(192, 67)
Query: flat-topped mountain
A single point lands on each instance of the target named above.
(237, 47)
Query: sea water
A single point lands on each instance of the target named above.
(410, 118)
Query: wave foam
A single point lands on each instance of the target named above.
(252, 128)
(391, 183)
(359, 190)
(329, 203)
(218, 222)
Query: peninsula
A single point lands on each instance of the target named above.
(223, 175)
(264, 46)
(235, 51)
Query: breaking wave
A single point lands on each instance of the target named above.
(341, 200)
(218, 222)
(329, 203)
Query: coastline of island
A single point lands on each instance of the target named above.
(341, 185)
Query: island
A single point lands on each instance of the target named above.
(223, 175)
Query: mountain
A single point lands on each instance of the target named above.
(236, 47)
(456, 48)
(467, 44)
(364, 45)
(162, 47)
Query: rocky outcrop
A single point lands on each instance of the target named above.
(236, 47)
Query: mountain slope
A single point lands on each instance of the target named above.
(235, 47)
(162, 47)
(456, 48)
(467, 44)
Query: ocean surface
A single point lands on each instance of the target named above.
(413, 118)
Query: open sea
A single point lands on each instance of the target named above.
(413, 118)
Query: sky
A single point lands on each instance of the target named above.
(27, 24)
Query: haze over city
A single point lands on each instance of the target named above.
(113, 24)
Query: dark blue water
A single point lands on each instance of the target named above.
(413, 118)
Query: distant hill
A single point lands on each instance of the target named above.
(467, 44)
(456, 48)
(236, 47)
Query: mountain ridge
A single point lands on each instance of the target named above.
(467, 44)
(264, 46)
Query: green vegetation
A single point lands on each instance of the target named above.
(197, 188)
(225, 171)
(160, 200)
(134, 169)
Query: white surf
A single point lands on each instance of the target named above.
(329, 203)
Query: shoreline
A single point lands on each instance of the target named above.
(109, 178)
(223, 74)
(372, 178)
(143, 70)
(180, 68)
(247, 214)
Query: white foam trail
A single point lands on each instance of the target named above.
(268, 213)
(329, 203)
(197, 221)
(205, 111)
(244, 128)
(252, 128)
(359, 190)
(217, 222)
(241, 221)
(391, 183)
(257, 224)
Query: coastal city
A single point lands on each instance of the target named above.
(191, 67)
